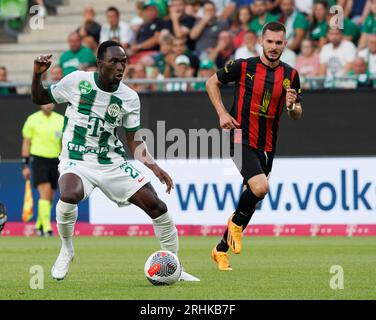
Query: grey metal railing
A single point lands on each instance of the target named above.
(318, 82)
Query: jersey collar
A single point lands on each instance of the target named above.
(279, 64)
(99, 85)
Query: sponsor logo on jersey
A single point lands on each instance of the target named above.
(87, 149)
(85, 87)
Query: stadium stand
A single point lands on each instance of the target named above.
(215, 38)
(18, 57)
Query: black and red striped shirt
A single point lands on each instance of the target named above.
(260, 96)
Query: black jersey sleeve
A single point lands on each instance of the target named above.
(296, 86)
(231, 72)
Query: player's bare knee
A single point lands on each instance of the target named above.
(260, 190)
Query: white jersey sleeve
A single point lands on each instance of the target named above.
(131, 121)
(62, 91)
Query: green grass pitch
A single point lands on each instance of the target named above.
(268, 268)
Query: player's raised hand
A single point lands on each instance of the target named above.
(227, 122)
(42, 63)
(164, 177)
(291, 97)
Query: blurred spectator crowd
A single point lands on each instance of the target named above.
(193, 38)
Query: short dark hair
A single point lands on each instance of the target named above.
(114, 9)
(274, 26)
(210, 2)
(251, 32)
(103, 47)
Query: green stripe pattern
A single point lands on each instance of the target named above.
(79, 135)
(86, 102)
(65, 123)
(103, 143)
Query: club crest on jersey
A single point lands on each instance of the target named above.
(85, 87)
(113, 110)
(286, 83)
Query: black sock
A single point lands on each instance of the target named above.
(222, 245)
(245, 209)
(243, 214)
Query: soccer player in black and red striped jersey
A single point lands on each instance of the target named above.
(264, 86)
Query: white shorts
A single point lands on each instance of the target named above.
(118, 182)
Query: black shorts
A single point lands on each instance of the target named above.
(45, 170)
(251, 162)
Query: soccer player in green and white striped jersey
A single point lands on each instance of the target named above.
(92, 156)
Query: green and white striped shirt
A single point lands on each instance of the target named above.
(92, 116)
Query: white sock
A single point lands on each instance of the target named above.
(66, 216)
(166, 232)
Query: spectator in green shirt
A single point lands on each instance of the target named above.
(369, 26)
(319, 27)
(321, 21)
(165, 45)
(207, 69)
(162, 6)
(78, 57)
(295, 22)
(262, 16)
(359, 70)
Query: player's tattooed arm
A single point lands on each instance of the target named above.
(137, 147)
(38, 92)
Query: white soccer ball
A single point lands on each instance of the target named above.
(162, 268)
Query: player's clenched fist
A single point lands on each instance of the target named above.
(42, 63)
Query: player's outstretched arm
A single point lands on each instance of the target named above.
(39, 94)
(138, 148)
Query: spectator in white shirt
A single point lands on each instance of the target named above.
(288, 56)
(369, 54)
(337, 56)
(249, 48)
(304, 6)
(182, 70)
(116, 29)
